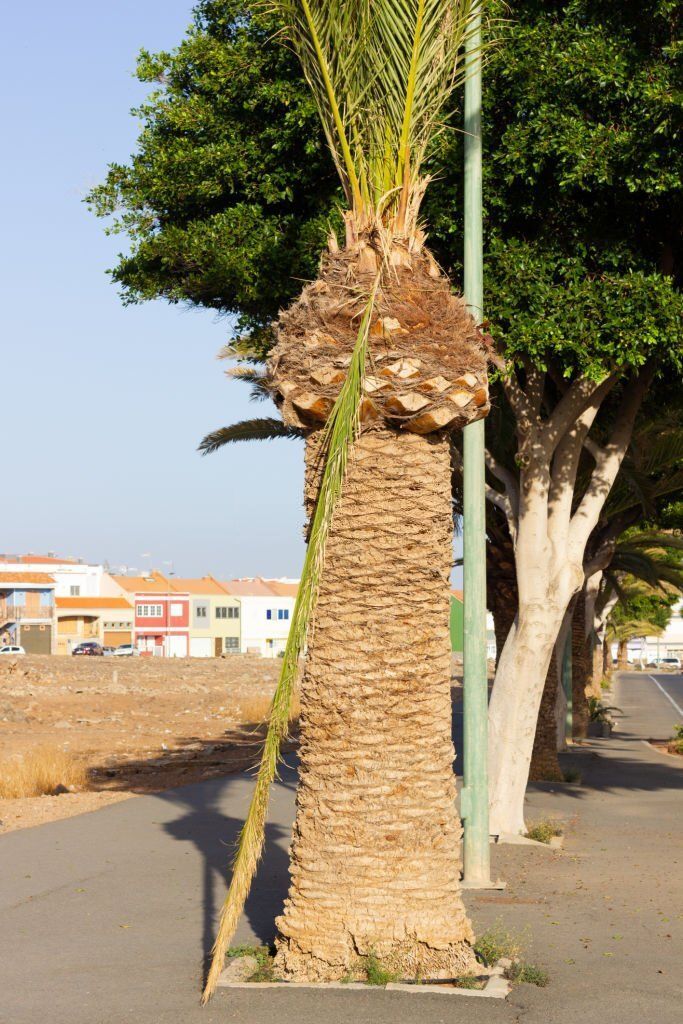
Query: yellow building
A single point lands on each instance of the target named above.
(215, 617)
(109, 620)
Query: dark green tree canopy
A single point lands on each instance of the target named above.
(229, 196)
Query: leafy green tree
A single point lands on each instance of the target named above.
(229, 198)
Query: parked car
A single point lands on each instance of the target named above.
(12, 649)
(89, 647)
(672, 663)
(108, 651)
(126, 651)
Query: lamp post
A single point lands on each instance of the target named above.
(474, 796)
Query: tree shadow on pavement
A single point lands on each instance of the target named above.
(214, 834)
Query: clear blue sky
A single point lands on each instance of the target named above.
(102, 406)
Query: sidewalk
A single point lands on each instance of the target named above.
(106, 917)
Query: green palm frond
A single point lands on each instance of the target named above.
(264, 429)
(340, 433)
(381, 72)
(631, 629)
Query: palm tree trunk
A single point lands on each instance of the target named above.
(622, 655)
(545, 766)
(580, 668)
(375, 858)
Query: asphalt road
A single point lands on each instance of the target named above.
(106, 918)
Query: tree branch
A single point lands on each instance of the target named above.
(608, 462)
(583, 393)
(502, 502)
(506, 477)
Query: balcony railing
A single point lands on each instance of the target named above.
(19, 612)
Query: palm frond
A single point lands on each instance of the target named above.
(381, 72)
(340, 432)
(265, 429)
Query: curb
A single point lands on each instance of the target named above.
(497, 986)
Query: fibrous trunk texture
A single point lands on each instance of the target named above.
(545, 766)
(427, 359)
(375, 858)
(581, 665)
(598, 672)
(622, 655)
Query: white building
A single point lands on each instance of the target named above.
(72, 578)
(267, 607)
(668, 645)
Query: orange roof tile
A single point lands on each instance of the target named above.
(9, 578)
(155, 583)
(201, 585)
(248, 588)
(93, 602)
(35, 559)
(457, 594)
(283, 589)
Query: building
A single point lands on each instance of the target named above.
(72, 578)
(27, 610)
(266, 608)
(215, 618)
(161, 614)
(668, 645)
(457, 626)
(109, 620)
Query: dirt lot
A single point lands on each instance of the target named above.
(140, 725)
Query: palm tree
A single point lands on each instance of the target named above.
(376, 363)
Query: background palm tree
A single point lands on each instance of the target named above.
(375, 363)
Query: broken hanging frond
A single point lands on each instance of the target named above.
(340, 433)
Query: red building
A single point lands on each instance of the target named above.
(161, 615)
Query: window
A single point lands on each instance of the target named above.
(231, 644)
(150, 611)
(201, 611)
(75, 591)
(176, 609)
(224, 612)
(282, 614)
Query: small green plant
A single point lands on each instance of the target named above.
(572, 775)
(263, 957)
(468, 981)
(605, 684)
(543, 831)
(600, 712)
(376, 972)
(496, 943)
(676, 741)
(527, 974)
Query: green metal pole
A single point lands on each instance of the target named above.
(567, 683)
(475, 798)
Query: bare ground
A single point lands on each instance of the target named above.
(139, 725)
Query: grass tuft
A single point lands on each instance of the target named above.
(497, 943)
(41, 772)
(676, 741)
(468, 981)
(543, 831)
(376, 972)
(528, 974)
(572, 775)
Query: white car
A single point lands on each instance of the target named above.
(12, 649)
(673, 663)
(126, 651)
